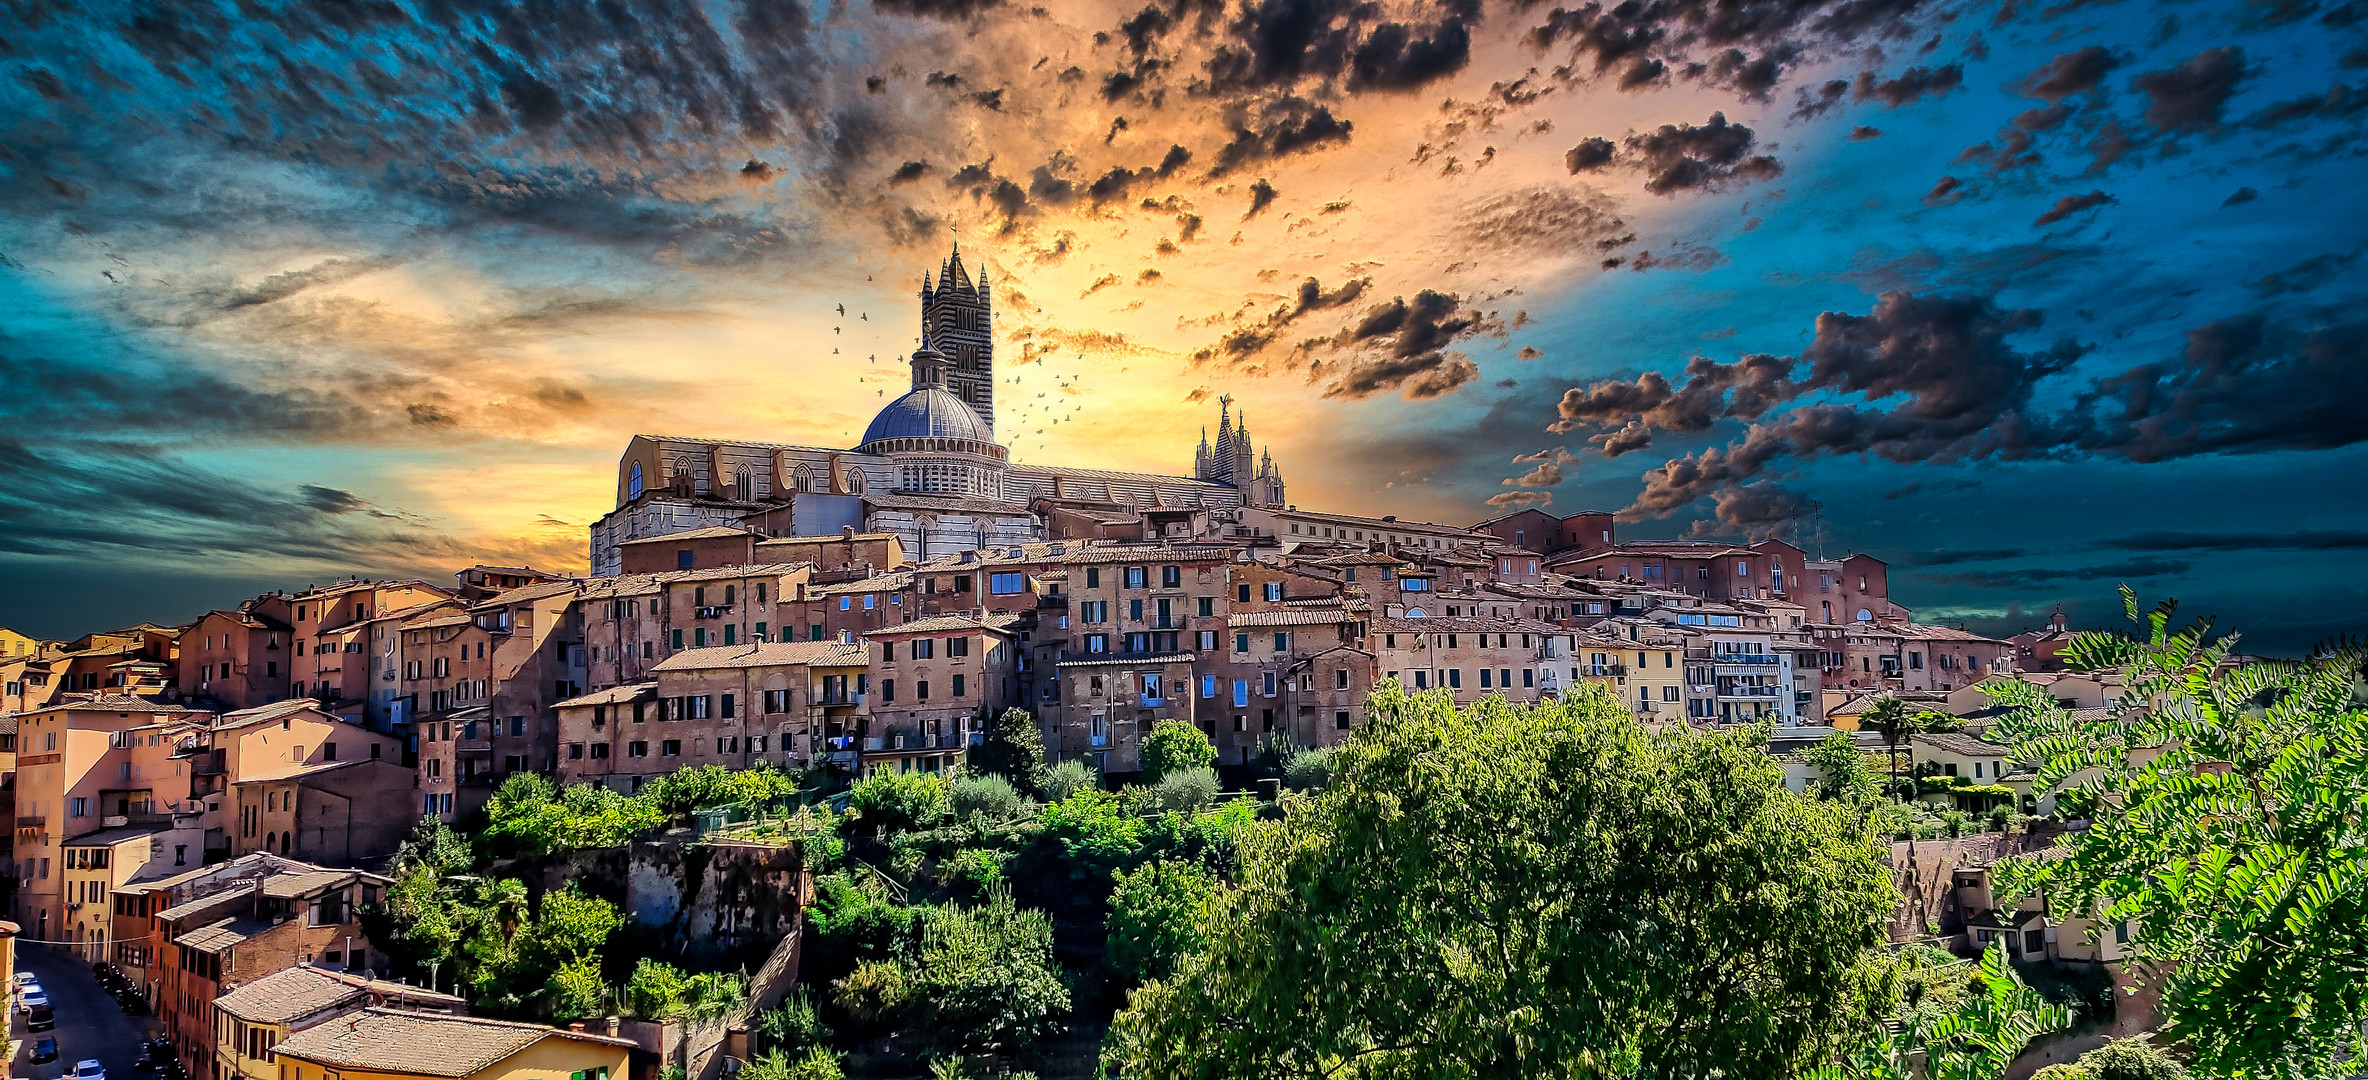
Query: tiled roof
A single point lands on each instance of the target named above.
(304, 990)
(215, 937)
(941, 624)
(1295, 617)
(291, 886)
(764, 654)
(902, 579)
(263, 713)
(537, 591)
(1960, 743)
(1375, 523)
(1464, 624)
(615, 695)
(1116, 661)
(709, 533)
(115, 703)
(718, 573)
(421, 1043)
(108, 837)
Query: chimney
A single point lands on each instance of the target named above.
(846, 532)
(609, 1027)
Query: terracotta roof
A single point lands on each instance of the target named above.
(536, 591)
(940, 624)
(284, 997)
(262, 713)
(615, 695)
(1373, 523)
(709, 533)
(1115, 661)
(114, 703)
(1960, 743)
(765, 654)
(902, 579)
(1465, 624)
(291, 886)
(421, 1043)
(215, 937)
(718, 573)
(1295, 617)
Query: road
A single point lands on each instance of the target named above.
(90, 1024)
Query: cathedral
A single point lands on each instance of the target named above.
(928, 468)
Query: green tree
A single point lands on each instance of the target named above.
(1155, 916)
(654, 992)
(1975, 1039)
(891, 801)
(1013, 749)
(1539, 890)
(2226, 800)
(529, 816)
(1173, 746)
(1843, 767)
(2131, 1059)
(985, 979)
(1185, 789)
(1068, 778)
(699, 787)
(988, 795)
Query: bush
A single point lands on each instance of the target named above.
(1155, 917)
(1185, 789)
(1013, 748)
(655, 990)
(899, 801)
(2131, 1059)
(1174, 746)
(792, 1026)
(1307, 770)
(2000, 817)
(816, 1063)
(989, 796)
(872, 993)
(2063, 1072)
(1068, 778)
(975, 870)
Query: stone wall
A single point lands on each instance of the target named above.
(729, 901)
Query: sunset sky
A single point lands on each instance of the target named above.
(2027, 299)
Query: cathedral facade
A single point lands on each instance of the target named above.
(928, 468)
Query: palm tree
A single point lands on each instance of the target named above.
(1890, 717)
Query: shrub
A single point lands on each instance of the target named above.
(899, 801)
(1185, 789)
(576, 990)
(989, 796)
(1174, 746)
(794, 1025)
(872, 993)
(1013, 748)
(1068, 778)
(2131, 1059)
(975, 870)
(2063, 1072)
(816, 1063)
(2000, 818)
(1155, 917)
(1307, 770)
(655, 990)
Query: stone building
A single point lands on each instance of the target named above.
(927, 471)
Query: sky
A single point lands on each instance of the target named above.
(2030, 300)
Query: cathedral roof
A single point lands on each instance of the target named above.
(928, 413)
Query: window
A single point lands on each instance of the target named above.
(1282, 642)
(1483, 678)
(1455, 678)
(599, 751)
(1135, 577)
(1208, 606)
(1007, 583)
(637, 749)
(1208, 686)
(920, 690)
(1241, 693)
(676, 643)
(1340, 720)
(1339, 678)
(887, 691)
(1093, 577)
(1274, 592)
(1205, 640)
(1266, 683)
(727, 703)
(1241, 595)
(924, 648)
(958, 646)
(1171, 577)
(670, 748)
(957, 684)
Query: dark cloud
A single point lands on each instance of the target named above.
(1545, 220)
(1862, 133)
(1908, 86)
(2132, 570)
(1942, 383)
(2072, 204)
(2339, 101)
(1262, 195)
(1311, 296)
(1525, 497)
(1276, 129)
(951, 10)
(1684, 157)
(2304, 540)
(1947, 189)
(2242, 195)
(1406, 347)
(1952, 558)
(909, 172)
(1281, 44)
(1590, 154)
(1744, 46)
(1827, 97)
(2191, 95)
(2306, 275)
(2077, 72)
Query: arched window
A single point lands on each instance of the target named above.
(801, 479)
(744, 486)
(633, 482)
(855, 481)
(1865, 616)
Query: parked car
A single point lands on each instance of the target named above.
(45, 1050)
(40, 1018)
(26, 978)
(33, 997)
(89, 1069)
(133, 1002)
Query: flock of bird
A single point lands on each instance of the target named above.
(1037, 410)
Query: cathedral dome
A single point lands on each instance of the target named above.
(928, 412)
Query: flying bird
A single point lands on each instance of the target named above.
(842, 311)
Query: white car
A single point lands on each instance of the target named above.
(31, 996)
(26, 978)
(89, 1069)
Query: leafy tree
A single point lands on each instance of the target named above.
(794, 1025)
(2063, 1071)
(576, 990)
(1173, 746)
(1308, 769)
(977, 871)
(1974, 1040)
(528, 815)
(892, 801)
(1185, 789)
(851, 921)
(1155, 916)
(1844, 769)
(1013, 748)
(1538, 890)
(989, 796)
(1890, 718)
(700, 787)
(985, 978)
(2226, 826)
(2131, 1059)
(654, 991)
(814, 1063)
(1068, 778)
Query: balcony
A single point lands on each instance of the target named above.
(32, 821)
(1743, 658)
(829, 701)
(209, 765)
(1605, 671)
(1749, 691)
